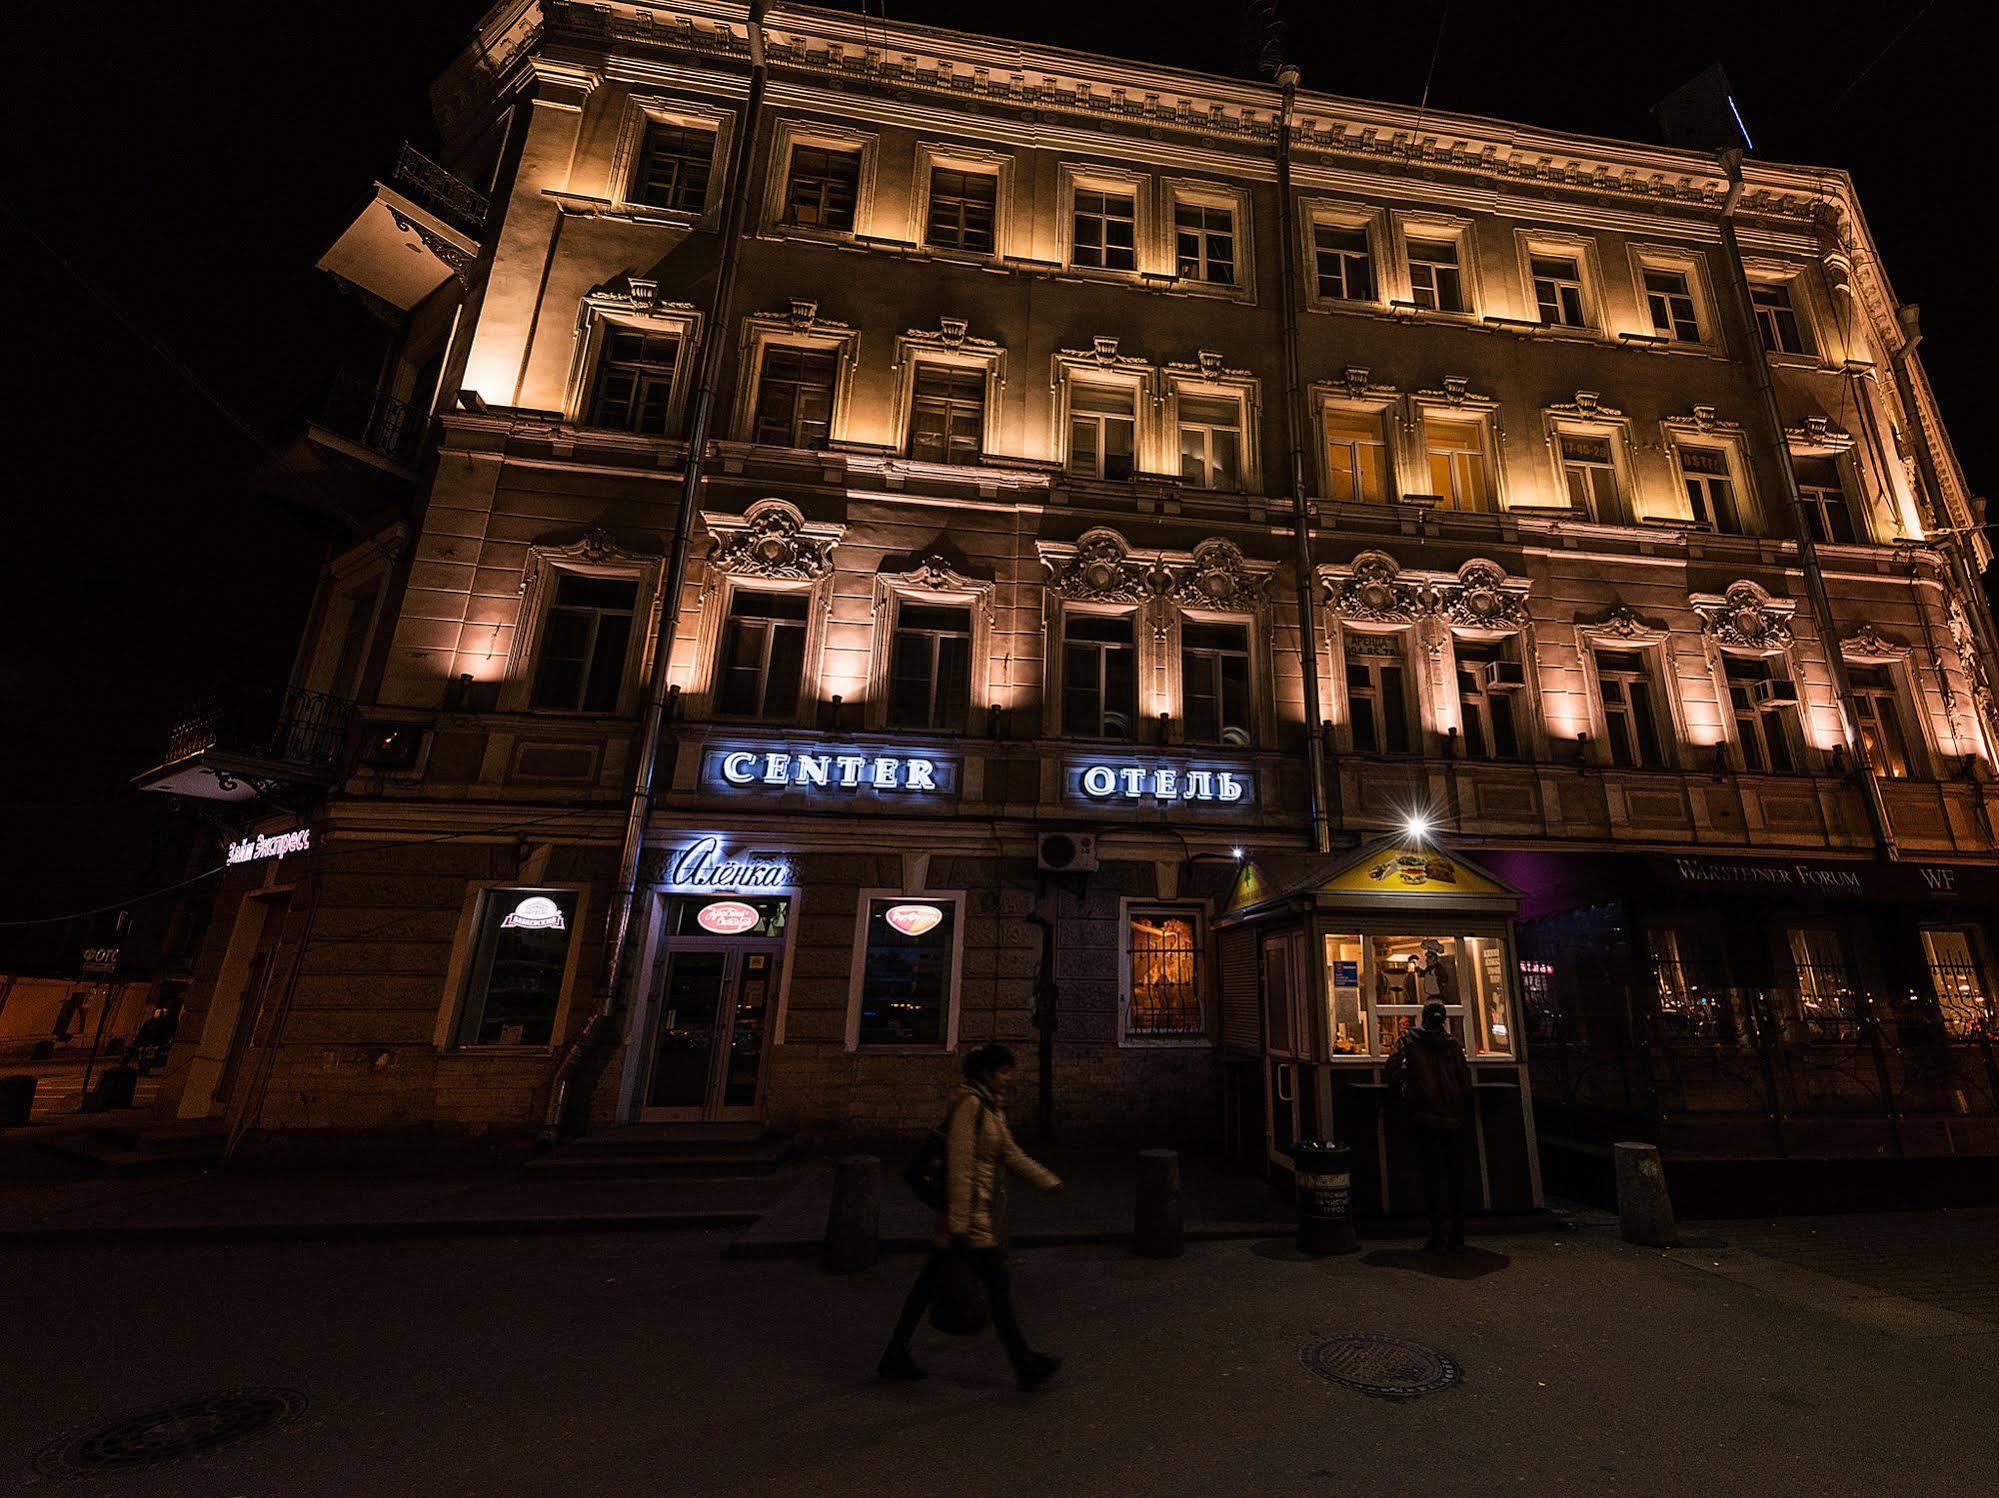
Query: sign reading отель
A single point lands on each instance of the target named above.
(832, 771)
(1103, 781)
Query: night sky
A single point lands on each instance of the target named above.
(192, 164)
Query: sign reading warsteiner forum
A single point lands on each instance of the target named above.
(1855, 880)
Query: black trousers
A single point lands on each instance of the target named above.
(989, 1264)
(1442, 1155)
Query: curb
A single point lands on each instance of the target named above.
(460, 1227)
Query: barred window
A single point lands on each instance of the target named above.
(1957, 976)
(1164, 947)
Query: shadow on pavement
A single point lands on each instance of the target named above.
(1465, 1264)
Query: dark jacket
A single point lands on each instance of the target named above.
(1430, 1074)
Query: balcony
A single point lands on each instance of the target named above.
(360, 422)
(410, 235)
(253, 744)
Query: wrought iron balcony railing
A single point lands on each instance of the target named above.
(429, 184)
(378, 422)
(282, 725)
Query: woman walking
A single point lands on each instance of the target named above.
(979, 1150)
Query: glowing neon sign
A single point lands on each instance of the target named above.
(841, 770)
(706, 865)
(277, 846)
(913, 920)
(1105, 782)
(727, 917)
(535, 913)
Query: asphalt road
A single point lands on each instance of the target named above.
(648, 1364)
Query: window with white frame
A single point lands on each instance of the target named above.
(1379, 711)
(1489, 678)
(1099, 675)
(794, 406)
(1589, 473)
(1630, 722)
(675, 163)
(1103, 430)
(1163, 974)
(1377, 986)
(762, 664)
(632, 390)
(1104, 227)
(930, 666)
(1669, 297)
(1877, 703)
(1765, 707)
(1710, 487)
(1436, 274)
(1356, 455)
(1459, 473)
(586, 638)
(906, 971)
(947, 413)
(1558, 290)
(1822, 487)
(1214, 682)
(822, 186)
(1343, 262)
(1210, 441)
(1776, 318)
(963, 210)
(1204, 242)
(519, 960)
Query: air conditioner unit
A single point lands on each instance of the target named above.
(1773, 694)
(1066, 853)
(1502, 676)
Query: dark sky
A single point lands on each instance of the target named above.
(197, 161)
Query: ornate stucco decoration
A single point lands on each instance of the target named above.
(1216, 577)
(1868, 644)
(1818, 431)
(771, 539)
(953, 333)
(1620, 622)
(596, 546)
(1208, 364)
(640, 296)
(1746, 617)
(1702, 419)
(1098, 569)
(934, 574)
(1483, 597)
(1587, 406)
(1103, 353)
(1372, 591)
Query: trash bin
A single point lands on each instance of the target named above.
(17, 1099)
(1322, 1181)
(116, 1089)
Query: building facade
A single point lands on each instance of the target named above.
(987, 709)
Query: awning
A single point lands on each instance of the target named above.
(1397, 873)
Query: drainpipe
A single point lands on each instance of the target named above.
(1808, 555)
(570, 1097)
(1295, 426)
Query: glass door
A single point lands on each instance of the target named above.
(713, 990)
(689, 1004)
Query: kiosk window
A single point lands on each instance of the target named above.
(1376, 987)
(1343, 966)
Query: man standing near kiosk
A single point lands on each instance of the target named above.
(1430, 1074)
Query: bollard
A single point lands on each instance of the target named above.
(117, 1088)
(1644, 1210)
(1322, 1181)
(1156, 1228)
(17, 1100)
(853, 1222)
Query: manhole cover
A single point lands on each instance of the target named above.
(163, 1433)
(1386, 1367)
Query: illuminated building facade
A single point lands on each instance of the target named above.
(985, 713)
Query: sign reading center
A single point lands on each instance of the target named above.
(848, 770)
(1101, 782)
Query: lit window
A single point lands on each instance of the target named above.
(1589, 474)
(795, 398)
(634, 381)
(1487, 678)
(584, 641)
(962, 210)
(1102, 431)
(1435, 280)
(1824, 494)
(822, 187)
(1214, 682)
(907, 972)
(1456, 453)
(1377, 704)
(947, 414)
(1671, 301)
(1827, 1002)
(1210, 442)
(1164, 951)
(1105, 230)
(1558, 291)
(1356, 457)
(1957, 976)
(1764, 704)
(1710, 490)
(517, 966)
(1099, 676)
(1343, 263)
(674, 165)
(1877, 704)
(1776, 318)
(763, 656)
(1628, 720)
(1204, 243)
(930, 666)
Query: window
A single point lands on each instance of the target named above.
(1099, 676)
(930, 667)
(1766, 715)
(1776, 318)
(1485, 701)
(674, 164)
(1589, 473)
(795, 398)
(1163, 950)
(763, 655)
(518, 963)
(1875, 704)
(1356, 457)
(1456, 451)
(1435, 281)
(962, 210)
(1210, 442)
(1103, 430)
(1378, 986)
(1558, 291)
(822, 187)
(1671, 300)
(634, 381)
(1628, 720)
(1710, 490)
(1827, 1002)
(947, 414)
(907, 975)
(1204, 243)
(1106, 229)
(1343, 262)
(1957, 977)
(1214, 682)
(1377, 705)
(1824, 494)
(584, 641)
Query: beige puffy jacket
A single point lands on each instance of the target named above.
(977, 1144)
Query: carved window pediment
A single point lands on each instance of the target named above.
(1217, 577)
(1372, 590)
(772, 540)
(1483, 597)
(1746, 617)
(1099, 568)
(1868, 644)
(1622, 623)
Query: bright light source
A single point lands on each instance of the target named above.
(1238, 854)
(1417, 825)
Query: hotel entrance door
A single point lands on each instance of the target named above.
(714, 987)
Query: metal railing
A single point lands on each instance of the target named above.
(282, 724)
(440, 191)
(394, 428)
